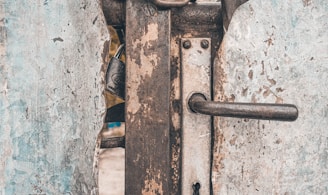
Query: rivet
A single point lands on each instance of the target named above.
(204, 44)
(186, 44)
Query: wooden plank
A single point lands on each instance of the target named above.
(147, 99)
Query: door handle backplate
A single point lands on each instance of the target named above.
(196, 128)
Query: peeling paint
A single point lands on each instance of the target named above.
(152, 185)
(50, 80)
(147, 121)
(151, 59)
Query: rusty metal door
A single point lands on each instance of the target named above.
(178, 61)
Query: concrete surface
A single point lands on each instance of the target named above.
(51, 103)
(275, 51)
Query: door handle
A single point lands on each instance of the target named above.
(282, 112)
(171, 3)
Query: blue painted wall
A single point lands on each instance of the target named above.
(51, 104)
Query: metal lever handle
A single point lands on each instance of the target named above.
(171, 3)
(282, 112)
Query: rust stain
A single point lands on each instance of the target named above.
(175, 109)
(233, 140)
(279, 100)
(279, 89)
(254, 100)
(244, 91)
(220, 76)
(218, 157)
(175, 164)
(269, 41)
(266, 92)
(272, 81)
(278, 141)
(220, 79)
(262, 62)
(105, 56)
(307, 3)
(250, 74)
(231, 98)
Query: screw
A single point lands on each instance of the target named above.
(186, 44)
(204, 44)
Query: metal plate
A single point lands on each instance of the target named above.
(196, 138)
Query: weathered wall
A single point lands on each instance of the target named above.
(274, 51)
(51, 103)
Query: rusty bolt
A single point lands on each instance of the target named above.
(204, 44)
(186, 44)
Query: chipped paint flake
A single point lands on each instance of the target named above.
(148, 63)
(152, 186)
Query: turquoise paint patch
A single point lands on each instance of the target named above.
(113, 125)
(38, 142)
(23, 148)
(18, 106)
(2, 113)
(275, 3)
(294, 21)
(65, 179)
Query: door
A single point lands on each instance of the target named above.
(274, 51)
(271, 52)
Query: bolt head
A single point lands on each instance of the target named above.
(204, 44)
(186, 44)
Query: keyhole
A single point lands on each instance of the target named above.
(196, 187)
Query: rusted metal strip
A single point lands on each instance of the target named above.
(198, 16)
(147, 99)
(114, 11)
(196, 129)
(113, 142)
(201, 15)
(192, 21)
